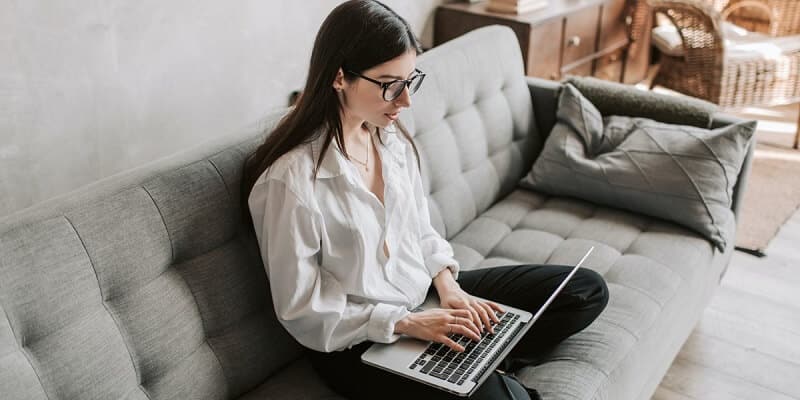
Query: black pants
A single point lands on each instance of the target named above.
(522, 286)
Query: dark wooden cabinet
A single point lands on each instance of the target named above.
(568, 37)
(610, 67)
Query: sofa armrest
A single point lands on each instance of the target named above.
(612, 98)
(721, 119)
(544, 96)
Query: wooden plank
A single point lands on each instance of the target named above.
(781, 289)
(742, 364)
(663, 393)
(779, 265)
(783, 248)
(688, 380)
(751, 335)
(766, 312)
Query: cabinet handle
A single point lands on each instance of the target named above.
(574, 41)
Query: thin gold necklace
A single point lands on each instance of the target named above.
(364, 163)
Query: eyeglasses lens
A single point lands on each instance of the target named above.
(396, 89)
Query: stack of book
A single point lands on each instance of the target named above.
(515, 6)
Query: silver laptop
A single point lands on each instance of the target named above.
(460, 373)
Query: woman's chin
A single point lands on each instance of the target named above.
(383, 123)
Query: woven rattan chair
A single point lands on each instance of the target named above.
(774, 17)
(705, 70)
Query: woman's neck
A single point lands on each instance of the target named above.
(354, 131)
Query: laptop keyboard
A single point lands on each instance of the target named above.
(446, 364)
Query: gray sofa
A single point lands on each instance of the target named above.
(147, 285)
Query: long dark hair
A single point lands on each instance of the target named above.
(357, 35)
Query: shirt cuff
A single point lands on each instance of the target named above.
(380, 328)
(437, 262)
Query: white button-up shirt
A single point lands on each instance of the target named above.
(322, 244)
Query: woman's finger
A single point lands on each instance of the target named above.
(491, 315)
(466, 331)
(467, 322)
(487, 322)
(461, 313)
(451, 344)
(469, 313)
(476, 318)
(490, 311)
(466, 313)
(495, 306)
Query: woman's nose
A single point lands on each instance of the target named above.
(404, 100)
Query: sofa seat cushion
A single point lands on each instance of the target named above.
(297, 381)
(648, 264)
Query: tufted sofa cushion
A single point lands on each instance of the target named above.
(659, 275)
(473, 124)
(143, 285)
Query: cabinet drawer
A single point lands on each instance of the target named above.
(581, 69)
(613, 29)
(609, 67)
(580, 35)
(543, 55)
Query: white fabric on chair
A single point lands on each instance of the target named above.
(739, 43)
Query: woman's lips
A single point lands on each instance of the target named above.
(393, 116)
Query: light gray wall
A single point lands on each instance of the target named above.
(89, 88)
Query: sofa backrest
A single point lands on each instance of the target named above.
(147, 285)
(143, 285)
(473, 123)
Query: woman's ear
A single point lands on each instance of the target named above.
(338, 82)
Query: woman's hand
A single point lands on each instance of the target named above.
(451, 296)
(436, 324)
(482, 312)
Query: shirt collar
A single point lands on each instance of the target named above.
(330, 165)
(333, 164)
(391, 142)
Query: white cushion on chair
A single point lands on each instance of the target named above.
(667, 40)
(739, 44)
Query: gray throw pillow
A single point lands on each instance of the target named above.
(678, 173)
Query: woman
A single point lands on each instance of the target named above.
(339, 210)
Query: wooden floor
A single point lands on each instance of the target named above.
(747, 344)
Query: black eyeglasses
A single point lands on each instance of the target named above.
(393, 89)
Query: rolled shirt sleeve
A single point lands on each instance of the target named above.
(309, 301)
(437, 252)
